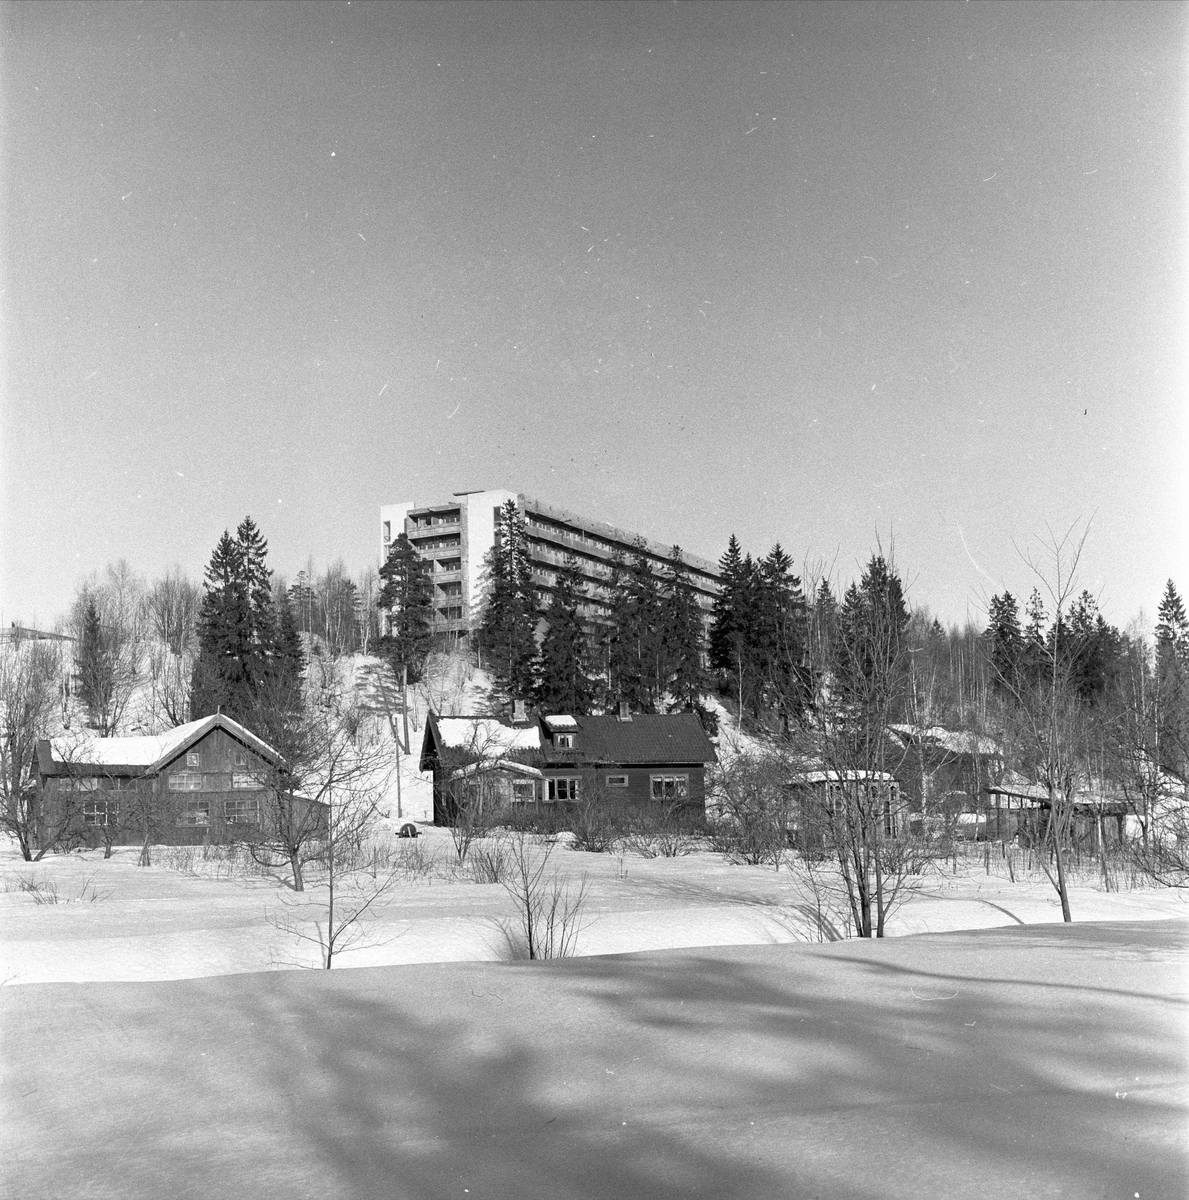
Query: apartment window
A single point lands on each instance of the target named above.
(185, 781)
(449, 564)
(99, 812)
(387, 531)
(453, 613)
(563, 788)
(242, 812)
(524, 791)
(669, 787)
(196, 812)
(617, 781)
(193, 759)
(563, 741)
(450, 589)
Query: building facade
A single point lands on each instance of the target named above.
(455, 536)
(208, 780)
(490, 765)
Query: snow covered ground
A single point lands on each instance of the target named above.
(183, 918)
(1027, 1061)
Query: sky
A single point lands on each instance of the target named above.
(842, 276)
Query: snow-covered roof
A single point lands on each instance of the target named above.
(952, 741)
(149, 752)
(499, 764)
(561, 722)
(842, 776)
(486, 736)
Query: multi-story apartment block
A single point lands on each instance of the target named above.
(455, 536)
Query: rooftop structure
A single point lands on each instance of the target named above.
(455, 536)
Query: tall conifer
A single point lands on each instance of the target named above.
(563, 666)
(407, 596)
(508, 631)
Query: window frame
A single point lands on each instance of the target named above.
(519, 785)
(563, 741)
(616, 781)
(196, 809)
(91, 813)
(572, 788)
(666, 796)
(239, 805)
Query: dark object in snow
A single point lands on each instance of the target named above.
(408, 829)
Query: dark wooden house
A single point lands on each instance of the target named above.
(208, 780)
(563, 759)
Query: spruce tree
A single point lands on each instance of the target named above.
(1035, 654)
(636, 651)
(727, 618)
(256, 580)
(1005, 641)
(220, 682)
(781, 636)
(95, 668)
(734, 634)
(237, 627)
(407, 595)
(682, 638)
(508, 630)
(1172, 631)
(563, 665)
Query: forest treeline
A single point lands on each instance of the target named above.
(782, 652)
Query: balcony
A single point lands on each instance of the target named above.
(417, 532)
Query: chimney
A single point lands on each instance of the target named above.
(624, 712)
(519, 716)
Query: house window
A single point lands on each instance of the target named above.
(524, 791)
(242, 781)
(193, 759)
(563, 788)
(563, 741)
(84, 783)
(669, 787)
(99, 812)
(196, 812)
(185, 781)
(239, 758)
(242, 812)
(617, 781)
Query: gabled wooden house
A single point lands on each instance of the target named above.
(207, 780)
(565, 759)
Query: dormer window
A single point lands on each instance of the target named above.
(563, 741)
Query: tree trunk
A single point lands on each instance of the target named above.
(295, 865)
(1062, 890)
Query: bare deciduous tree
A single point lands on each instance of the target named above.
(108, 620)
(1044, 723)
(172, 605)
(30, 689)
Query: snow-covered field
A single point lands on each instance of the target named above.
(184, 918)
(1028, 1061)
